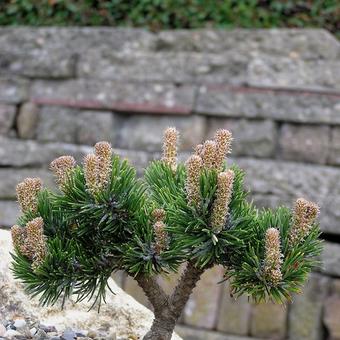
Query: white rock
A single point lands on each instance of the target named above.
(11, 333)
(33, 331)
(2, 330)
(19, 323)
(124, 314)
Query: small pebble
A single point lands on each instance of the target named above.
(48, 329)
(33, 331)
(11, 333)
(40, 335)
(19, 323)
(2, 330)
(68, 334)
(92, 334)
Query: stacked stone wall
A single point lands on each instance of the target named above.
(278, 91)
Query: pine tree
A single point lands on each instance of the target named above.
(104, 219)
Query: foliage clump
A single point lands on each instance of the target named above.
(173, 14)
(105, 219)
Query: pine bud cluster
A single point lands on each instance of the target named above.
(98, 167)
(170, 140)
(223, 196)
(304, 215)
(62, 168)
(27, 194)
(194, 165)
(161, 236)
(223, 140)
(273, 256)
(30, 241)
(209, 154)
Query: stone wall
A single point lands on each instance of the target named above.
(278, 91)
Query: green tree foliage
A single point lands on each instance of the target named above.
(161, 14)
(105, 219)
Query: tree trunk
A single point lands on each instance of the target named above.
(167, 309)
(162, 328)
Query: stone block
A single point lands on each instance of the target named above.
(264, 325)
(202, 308)
(276, 182)
(335, 286)
(287, 106)
(57, 124)
(334, 152)
(94, 126)
(27, 120)
(60, 124)
(117, 96)
(18, 153)
(189, 333)
(234, 314)
(179, 67)
(138, 159)
(256, 138)
(292, 72)
(146, 132)
(331, 316)
(13, 90)
(7, 118)
(306, 44)
(39, 63)
(305, 313)
(304, 143)
(330, 259)
(9, 212)
(9, 178)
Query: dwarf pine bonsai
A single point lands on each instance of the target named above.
(104, 219)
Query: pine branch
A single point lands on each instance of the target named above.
(184, 288)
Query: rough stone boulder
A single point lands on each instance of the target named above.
(121, 315)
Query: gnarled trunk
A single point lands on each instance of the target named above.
(167, 309)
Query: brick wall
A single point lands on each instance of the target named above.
(278, 91)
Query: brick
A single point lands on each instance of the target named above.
(305, 313)
(255, 138)
(264, 325)
(304, 143)
(202, 307)
(146, 132)
(7, 118)
(234, 314)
